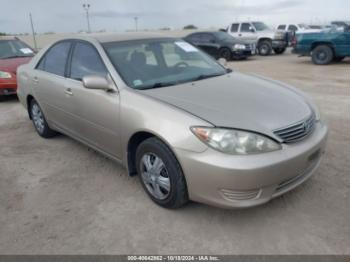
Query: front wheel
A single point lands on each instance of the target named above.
(225, 53)
(265, 48)
(39, 120)
(322, 55)
(279, 51)
(160, 174)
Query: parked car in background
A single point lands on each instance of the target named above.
(291, 29)
(190, 128)
(13, 53)
(324, 47)
(222, 45)
(297, 28)
(341, 23)
(260, 33)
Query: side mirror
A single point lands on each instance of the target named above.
(223, 62)
(97, 82)
(251, 29)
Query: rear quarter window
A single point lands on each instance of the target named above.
(55, 59)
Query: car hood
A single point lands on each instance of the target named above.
(238, 101)
(11, 64)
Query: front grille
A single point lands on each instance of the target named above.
(240, 195)
(297, 132)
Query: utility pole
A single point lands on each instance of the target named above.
(33, 31)
(87, 7)
(136, 23)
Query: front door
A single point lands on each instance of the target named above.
(96, 111)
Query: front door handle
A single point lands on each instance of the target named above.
(239, 34)
(68, 92)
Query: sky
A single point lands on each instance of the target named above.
(118, 15)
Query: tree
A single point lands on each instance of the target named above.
(1, 33)
(190, 27)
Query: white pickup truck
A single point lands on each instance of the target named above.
(259, 32)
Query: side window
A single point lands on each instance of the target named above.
(54, 61)
(292, 28)
(86, 61)
(234, 28)
(207, 38)
(281, 27)
(194, 38)
(245, 27)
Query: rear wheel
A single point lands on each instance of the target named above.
(279, 51)
(322, 55)
(338, 58)
(265, 48)
(226, 53)
(160, 174)
(39, 120)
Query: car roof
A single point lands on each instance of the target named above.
(119, 37)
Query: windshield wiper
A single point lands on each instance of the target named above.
(15, 56)
(201, 77)
(156, 85)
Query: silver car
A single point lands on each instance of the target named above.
(190, 128)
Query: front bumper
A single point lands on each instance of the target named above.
(8, 86)
(244, 181)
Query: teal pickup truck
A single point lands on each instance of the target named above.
(324, 47)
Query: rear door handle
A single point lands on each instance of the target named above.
(239, 34)
(35, 79)
(68, 92)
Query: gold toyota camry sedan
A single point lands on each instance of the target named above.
(190, 128)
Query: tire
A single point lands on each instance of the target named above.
(39, 121)
(279, 51)
(322, 55)
(338, 58)
(265, 48)
(225, 53)
(171, 192)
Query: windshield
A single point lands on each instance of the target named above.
(224, 36)
(259, 26)
(14, 48)
(155, 63)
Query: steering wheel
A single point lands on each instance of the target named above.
(181, 64)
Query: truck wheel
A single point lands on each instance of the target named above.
(322, 55)
(338, 58)
(265, 48)
(279, 51)
(225, 53)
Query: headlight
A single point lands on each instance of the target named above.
(235, 142)
(5, 74)
(239, 47)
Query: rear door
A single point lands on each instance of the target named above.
(96, 111)
(49, 86)
(209, 44)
